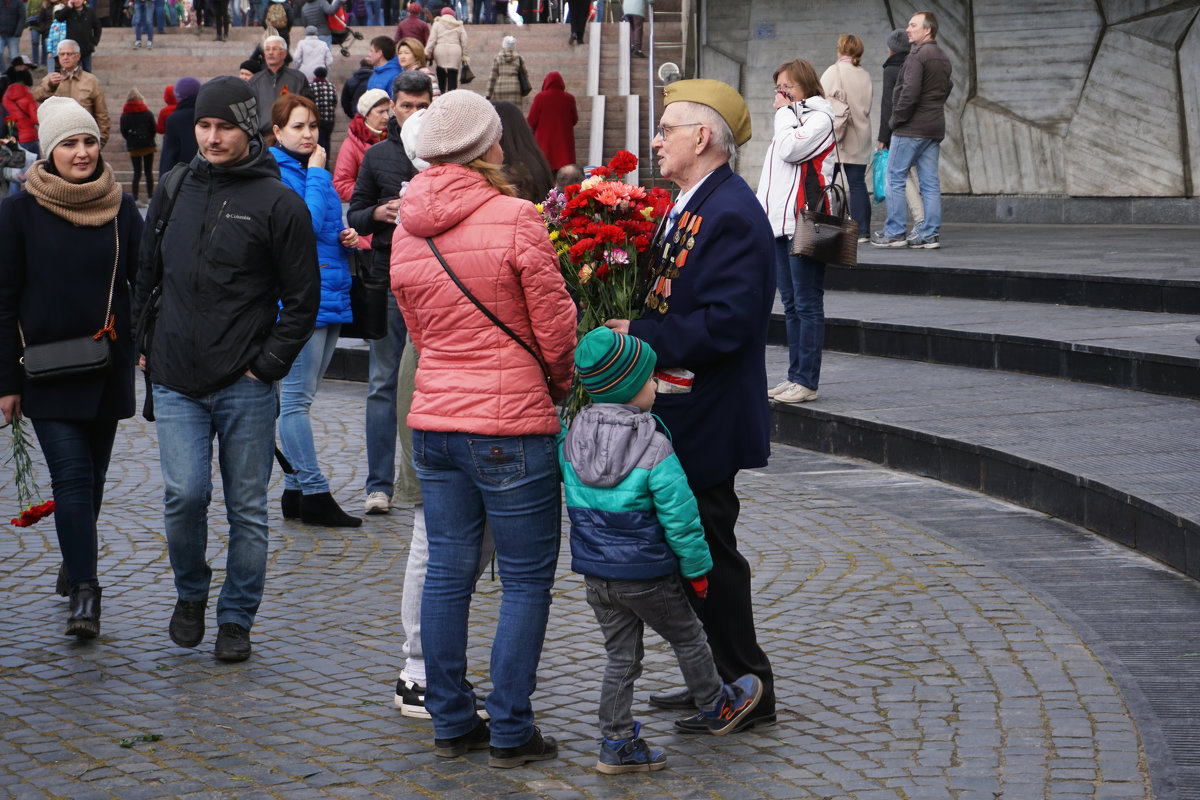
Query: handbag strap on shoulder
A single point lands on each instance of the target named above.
(107, 329)
(486, 311)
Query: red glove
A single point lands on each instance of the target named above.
(700, 586)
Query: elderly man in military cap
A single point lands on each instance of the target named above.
(712, 286)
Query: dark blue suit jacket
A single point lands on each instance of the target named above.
(715, 325)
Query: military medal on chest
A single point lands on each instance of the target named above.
(674, 257)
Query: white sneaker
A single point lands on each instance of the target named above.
(779, 388)
(377, 503)
(796, 394)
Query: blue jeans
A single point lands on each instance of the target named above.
(143, 21)
(905, 152)
(381, 402)
(77, 453)
(860, 203)
(160, 16)
(297, 391)
(39, 52)
(85, 61)
(243, 418)
(10, 47)
(512, 482)
(374, 13)
(802, 290)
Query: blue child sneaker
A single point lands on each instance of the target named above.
(629, 755)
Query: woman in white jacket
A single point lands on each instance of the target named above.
(797, 167)
(848, 87)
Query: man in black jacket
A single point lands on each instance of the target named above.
(373, 209)
(354, 87)
(239, 293)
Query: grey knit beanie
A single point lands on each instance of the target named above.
(460, 127)
(898, 41)
(60, 118)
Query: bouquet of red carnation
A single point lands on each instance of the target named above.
(601, 229)
(27, 488)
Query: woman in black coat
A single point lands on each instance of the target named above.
(70, 245)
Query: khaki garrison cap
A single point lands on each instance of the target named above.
(721, 97)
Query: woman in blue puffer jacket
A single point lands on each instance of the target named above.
(302, 167)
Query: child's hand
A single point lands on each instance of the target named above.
(700, 586)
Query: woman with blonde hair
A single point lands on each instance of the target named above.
(483, 418)
(848, 88)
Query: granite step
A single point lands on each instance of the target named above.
(1122, 463)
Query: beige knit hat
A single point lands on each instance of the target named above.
(460, 127)
(60, 118)
(371, 98)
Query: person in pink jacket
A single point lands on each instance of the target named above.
(483, 418)
(368, 127)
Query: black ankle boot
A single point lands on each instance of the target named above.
(322, 509)
(84, 621)
(291, 503)
(62, 586)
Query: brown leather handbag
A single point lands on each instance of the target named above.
(832, 238)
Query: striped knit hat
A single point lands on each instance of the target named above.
(613, 367)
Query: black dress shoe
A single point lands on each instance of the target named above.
(233, 642)
(538, 748)
(475, 739)
(84, 621)
(760, 716)
(673, 700)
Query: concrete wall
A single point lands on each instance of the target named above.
(1081, 98)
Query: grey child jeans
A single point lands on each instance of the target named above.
(623, 609)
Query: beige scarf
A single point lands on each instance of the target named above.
(90, 204)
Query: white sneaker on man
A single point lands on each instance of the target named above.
(377, 503)
(796, 394)
(779, 388)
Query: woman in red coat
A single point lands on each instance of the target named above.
(553, 116)
(22, 109)
(168, 109)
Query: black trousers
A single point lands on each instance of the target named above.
(728, 612)
(579, 15)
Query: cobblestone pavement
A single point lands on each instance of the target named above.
(907, 669)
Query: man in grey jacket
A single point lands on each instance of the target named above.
(918, 126)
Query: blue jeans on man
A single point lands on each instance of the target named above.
(143, 21)
(512, 482)
(39, 52)
(10, 48)
(243, 418)
(905, 151)
(374, 12)
(801, 282)
(381, 430)
(296, 394)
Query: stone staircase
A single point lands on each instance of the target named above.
(544, 47)
(1051, 366)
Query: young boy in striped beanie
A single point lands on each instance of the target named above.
(636, 537)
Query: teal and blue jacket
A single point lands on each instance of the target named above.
(633, 515)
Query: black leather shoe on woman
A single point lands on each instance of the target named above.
(322, 509)
(84, 621)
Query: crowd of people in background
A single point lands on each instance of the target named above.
(232, 294)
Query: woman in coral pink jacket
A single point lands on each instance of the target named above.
(483, 418)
